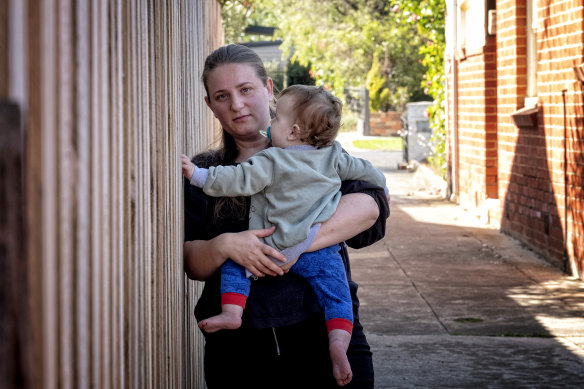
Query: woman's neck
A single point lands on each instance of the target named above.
(249, 148)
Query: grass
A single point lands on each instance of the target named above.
(385, 144)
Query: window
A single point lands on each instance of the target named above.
(491, 17)
(531, 57)
(471, 26)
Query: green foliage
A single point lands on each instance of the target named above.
(350, 121)
(294, 73)
(377, 85)
(298, 74)
(276, 74)
(338, 40)
(235, 15)
(429, 17)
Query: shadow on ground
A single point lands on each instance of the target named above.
(447, 302)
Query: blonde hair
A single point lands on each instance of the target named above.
(317, 111)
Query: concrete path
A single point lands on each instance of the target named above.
(448, 302)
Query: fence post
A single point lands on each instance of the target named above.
(366, 123)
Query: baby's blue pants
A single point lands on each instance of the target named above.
(324, 271)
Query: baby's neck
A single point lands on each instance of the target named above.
(298, 143)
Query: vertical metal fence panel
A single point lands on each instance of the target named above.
(64, 181)
(201, 133)
(47, 130)
(83, 206)
(119, 199)
(110, 96)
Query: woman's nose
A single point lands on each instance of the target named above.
(236, 103)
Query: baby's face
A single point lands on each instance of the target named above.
(282, 122)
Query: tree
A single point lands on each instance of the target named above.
(339, 39)
(429, 16)
(236, 15)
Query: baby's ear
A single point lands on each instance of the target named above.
(294, 133)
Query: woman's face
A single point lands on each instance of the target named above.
(239, 99)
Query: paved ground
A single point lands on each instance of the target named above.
(448, 302)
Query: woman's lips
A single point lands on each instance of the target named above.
(241, 118)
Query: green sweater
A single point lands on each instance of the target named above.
(292, 188)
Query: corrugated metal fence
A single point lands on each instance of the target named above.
(106, 95)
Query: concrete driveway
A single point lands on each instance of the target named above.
(448, 302)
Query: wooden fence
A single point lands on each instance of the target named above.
(101, 98)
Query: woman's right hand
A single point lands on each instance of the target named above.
(246, 249)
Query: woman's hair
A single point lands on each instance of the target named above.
(226, 155)
(317, 112)
(232, 53)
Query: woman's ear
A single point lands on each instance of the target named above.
(270, 87)
(209, 105)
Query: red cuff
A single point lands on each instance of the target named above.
(233, 298)
(339, 324)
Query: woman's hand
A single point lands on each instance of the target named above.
(246, 249)
(202, 258)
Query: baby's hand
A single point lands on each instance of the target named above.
(188, 168)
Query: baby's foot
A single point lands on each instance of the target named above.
(341, 367)
(223, 321)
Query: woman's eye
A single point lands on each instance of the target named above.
(246, 90)
(220, 97)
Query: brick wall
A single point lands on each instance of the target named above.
(384, 123)
(536, 171)
(477, 128)
(560, 48)
(531, 160)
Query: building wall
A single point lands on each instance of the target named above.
(531, 158)
(107, 95)
(477, 135)
(385, 123)
(539, 157)
(560, 48)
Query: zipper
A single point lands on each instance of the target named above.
(276, 340)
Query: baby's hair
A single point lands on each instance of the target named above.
(317, 112)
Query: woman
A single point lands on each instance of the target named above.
(283, 340)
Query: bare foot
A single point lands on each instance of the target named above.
(223, 321)
(341, 367)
